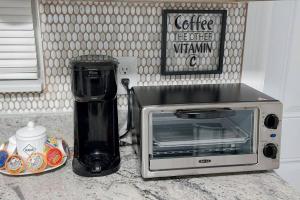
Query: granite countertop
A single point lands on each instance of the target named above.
(127, 182)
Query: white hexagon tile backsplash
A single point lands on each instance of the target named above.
(72, 28)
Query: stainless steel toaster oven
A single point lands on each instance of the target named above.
(204, 129)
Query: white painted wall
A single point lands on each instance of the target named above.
(272, 65)
(257, 33)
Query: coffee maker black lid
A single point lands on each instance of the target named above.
(97, 62)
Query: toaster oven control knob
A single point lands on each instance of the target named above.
(271, 121)
(270, 150)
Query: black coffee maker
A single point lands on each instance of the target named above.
(96, 136)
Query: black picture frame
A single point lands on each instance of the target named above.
(219, 69)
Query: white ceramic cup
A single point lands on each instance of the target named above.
(30, 139)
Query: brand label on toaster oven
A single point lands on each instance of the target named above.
(204, 161)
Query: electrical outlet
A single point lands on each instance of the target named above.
(127, 69)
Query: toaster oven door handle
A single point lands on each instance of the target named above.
(204, 113)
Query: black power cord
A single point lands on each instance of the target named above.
(125, 83)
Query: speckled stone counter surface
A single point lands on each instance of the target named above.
(127, 183)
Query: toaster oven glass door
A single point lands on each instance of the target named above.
(203, 138)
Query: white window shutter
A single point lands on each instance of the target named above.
(18, 52)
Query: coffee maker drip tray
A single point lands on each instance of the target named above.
(96, 165)
(98, 161)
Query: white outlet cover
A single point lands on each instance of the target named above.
(127, 68)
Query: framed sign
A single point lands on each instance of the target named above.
(193, 41)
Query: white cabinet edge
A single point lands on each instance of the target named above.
(21, 86)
